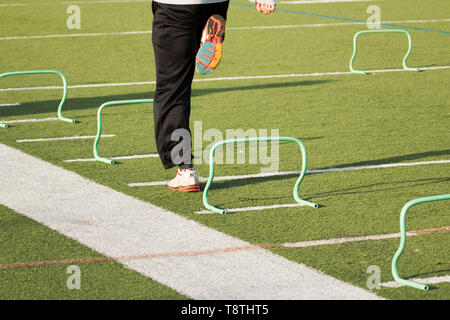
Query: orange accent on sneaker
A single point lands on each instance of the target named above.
(214, 34)
(216, 29)
(193, 188)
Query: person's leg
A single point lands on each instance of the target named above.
(174, 43)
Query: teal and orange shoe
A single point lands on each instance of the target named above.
(210, 52)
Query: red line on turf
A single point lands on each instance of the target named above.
(23, 265)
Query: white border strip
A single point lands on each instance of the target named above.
(140, 156)
(431, 280)
(286, 173)
(293, 75)
(65, 138)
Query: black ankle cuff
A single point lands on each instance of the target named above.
(186, 166)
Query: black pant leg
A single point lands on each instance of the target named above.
(174, 43)
(176, 37)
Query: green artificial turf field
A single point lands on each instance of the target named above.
(344, 120)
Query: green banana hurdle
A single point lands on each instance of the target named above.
(63, 100)
(211, 169)
(99, 123)
(403, 239)
(381, 31)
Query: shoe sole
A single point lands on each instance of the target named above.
(212, 46)
(193, 188)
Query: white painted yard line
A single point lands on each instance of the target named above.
(65, 138)
(431, 280)
(146, 32)
(293, 75)
(9, 104)
(139, 156)
(319, 1)
(148, 1)
(70, 2)
(314, 243)
(31, 120)
(335, 24)
(286, 173)
(118, 225)
(72, 35)
(256, 208)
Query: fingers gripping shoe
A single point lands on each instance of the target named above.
(186, 181)
(266, 6)
(210, 52)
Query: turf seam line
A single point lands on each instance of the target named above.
(272, 174)
(293, 75)
(303, 244)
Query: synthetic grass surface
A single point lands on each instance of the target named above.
(343, 120)
(25, 240)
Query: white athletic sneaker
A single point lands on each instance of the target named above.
(186, 181)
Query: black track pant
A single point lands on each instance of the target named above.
(176, 38)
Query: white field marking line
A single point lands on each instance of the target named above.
(70, 2)
(117, 225)
(337, 24)
(431, 280)
(30, 120)
(275, 206)
(314, 243)
(140, 32)
(71, 35)
(286, 173)
(139, 156)
(299, 75)
(65, 138)
(140, 1)
(319, 1)
(9, 104)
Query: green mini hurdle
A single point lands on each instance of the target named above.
(211, 169)
(99, 124)
(63, 100)
(381, 31)
(399, 252)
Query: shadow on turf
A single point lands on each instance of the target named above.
(50, 106)
(398, 159)
(345, 191)
(397, 185)
(433, 273)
